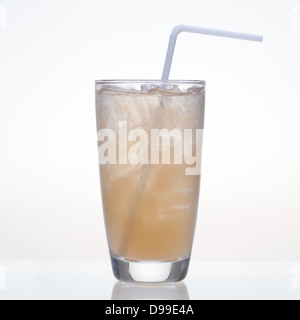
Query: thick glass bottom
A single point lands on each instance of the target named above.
(150, 271)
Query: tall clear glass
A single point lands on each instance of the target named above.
(150, 143)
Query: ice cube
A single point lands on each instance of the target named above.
(118, 171)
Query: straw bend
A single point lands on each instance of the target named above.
(178, 29)
(201, 30)
(216, 32)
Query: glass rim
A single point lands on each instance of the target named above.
(123, 81)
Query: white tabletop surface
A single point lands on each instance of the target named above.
(93, 279)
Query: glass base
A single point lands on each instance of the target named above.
(150, 271)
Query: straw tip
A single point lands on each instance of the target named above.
(260, 38)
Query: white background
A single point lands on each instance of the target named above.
(50, 54)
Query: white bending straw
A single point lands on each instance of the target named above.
(207, 31)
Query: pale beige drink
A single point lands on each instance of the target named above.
(155, 222)
(150, 209)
